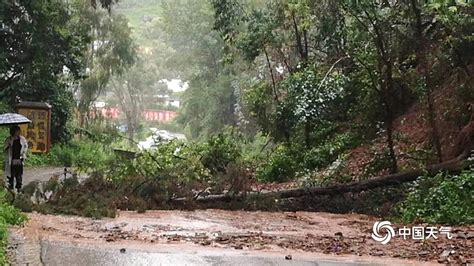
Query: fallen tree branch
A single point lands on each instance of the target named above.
(455, 165)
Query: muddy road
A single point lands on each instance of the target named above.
(41, 174)
(218, 237)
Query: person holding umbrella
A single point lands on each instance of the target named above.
(15, 149)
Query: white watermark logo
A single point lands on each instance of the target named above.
(389, 232)
(383, 232)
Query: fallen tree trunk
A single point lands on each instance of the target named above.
(452, 166)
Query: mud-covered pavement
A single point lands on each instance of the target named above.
(41, 174)
(303, 235)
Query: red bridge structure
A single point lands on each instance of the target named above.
(148, 114)
(159, 115)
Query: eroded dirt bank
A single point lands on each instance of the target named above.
(301, 234)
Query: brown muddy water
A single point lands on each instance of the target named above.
(218, 237)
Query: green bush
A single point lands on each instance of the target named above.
(255, 152)
(8, 216)
(326, 153)
(91, 156)
(287, 161)
(280, 166)
(34, 160)
(86, 155)
(59, 155)
(4, 134)
(62, 155)
(441, 199)
(219, 151)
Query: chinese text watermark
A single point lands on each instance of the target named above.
(383, 232)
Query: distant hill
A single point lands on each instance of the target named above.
(139, 13)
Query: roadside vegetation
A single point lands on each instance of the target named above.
(8, 216)
(442, 199)
(176, 173)
(280, 95)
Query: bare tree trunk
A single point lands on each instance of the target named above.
(275, 95)
(134, 111)
(130, 130)
(386, 86)
(421, 54)
(390, 144)
(299, 43)
(435, 137)
(119, 92)
(389, 118)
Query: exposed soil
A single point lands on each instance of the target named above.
(316, 233)
(412, 134)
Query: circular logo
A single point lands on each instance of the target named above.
(387, 226)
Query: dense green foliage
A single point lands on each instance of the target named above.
(218, 152)
(317, 67)
(442, 199)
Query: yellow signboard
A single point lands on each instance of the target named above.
(37, 133)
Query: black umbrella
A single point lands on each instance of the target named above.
(10, 119)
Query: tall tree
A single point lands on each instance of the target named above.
(111, 52)
(422, 51)
(41, 50)
(132, 88)
(187, 27)
(378, 23)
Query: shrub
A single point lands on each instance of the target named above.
(441, 199)
(218, 152)
(379, 162)
(37, 160)
(288, 161)
(254, 150)
(280, 166)
(326, 153)
(91, 156)
(8, 216)
(62, 155)
(86, 155)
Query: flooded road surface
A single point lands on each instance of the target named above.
(217, 237)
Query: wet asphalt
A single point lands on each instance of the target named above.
(54, 253)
